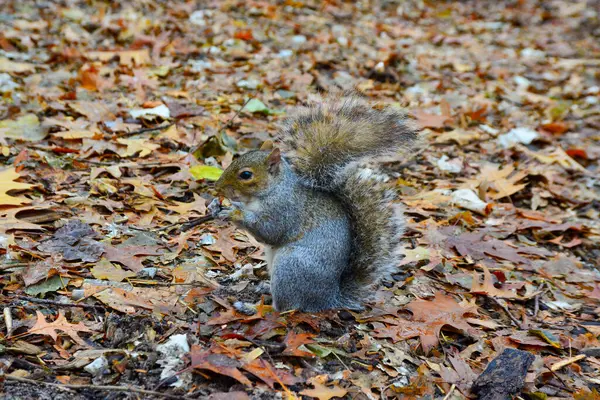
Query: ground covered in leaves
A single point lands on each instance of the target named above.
(116, 119)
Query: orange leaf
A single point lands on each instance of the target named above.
(488, 288)
(557, 128)
(42, 327)
(429, 317)
(321, 391)
(245, 34)
(294, 340)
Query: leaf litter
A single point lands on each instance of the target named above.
(118, 118)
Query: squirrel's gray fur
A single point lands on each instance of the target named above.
(331, 225)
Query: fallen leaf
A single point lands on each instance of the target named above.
(75, 241)
(8, 184)
(429, 317)
(7, 65)
(487, 286)
(26, 128)
(427, 120)
(294, 340)
(104, 269)
(42, 327)
(142, 146)
(321, 391)
(219, 363)
(206, 172)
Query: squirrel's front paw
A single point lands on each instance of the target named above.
(231, 214)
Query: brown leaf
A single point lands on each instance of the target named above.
(42, 327)
(426, 120)
(487, 286)
(294, 340)
(219, 363)
(128, 255)
(478, 247)
(429, 317)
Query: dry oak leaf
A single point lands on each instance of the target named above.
(427, 120)
(198, 206)
(42, 327)
(321, 391)
(218, 363)
(487, 287)
(429, 317)
(143, 146)
(294, 340)
(500, 182)
(475, 246)
(7, 184)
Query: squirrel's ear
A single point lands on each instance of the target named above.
(274, 160)
(267, 145)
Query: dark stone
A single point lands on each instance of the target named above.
(504, 377)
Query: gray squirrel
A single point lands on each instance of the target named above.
(329, 224)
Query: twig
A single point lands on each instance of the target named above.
(564, 363)
(447, 396)
(195, 222)
(109, 388)
(340, 360)
(186, 226)
(512, 317)
(58, 303)
(144, 130)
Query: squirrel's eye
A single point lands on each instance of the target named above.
(245, 175)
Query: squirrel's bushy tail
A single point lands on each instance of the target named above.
(326, 143)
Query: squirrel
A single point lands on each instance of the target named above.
(329, 223)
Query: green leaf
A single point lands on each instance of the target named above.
(49, 285)
(206, 172)
(322, 351)
(255, 106)
(546, 336)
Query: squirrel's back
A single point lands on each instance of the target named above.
(326, 144)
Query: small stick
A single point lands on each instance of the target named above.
(109, 388)
(512, 318)
(144, 130)
(447, 396)
(186, 226)
(564, 363)
(58, 303)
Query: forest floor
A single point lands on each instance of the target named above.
(117, 117)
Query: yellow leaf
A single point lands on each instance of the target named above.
(7, 65)
(206, 172)
(75, 134)
(104, 269)
(7, 184)
(26, 128)
(321, 391)
(134, 146)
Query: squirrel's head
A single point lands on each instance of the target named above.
(250, 174)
